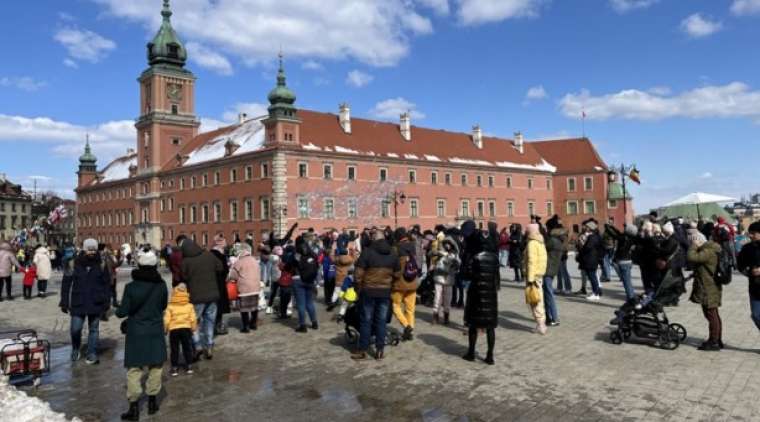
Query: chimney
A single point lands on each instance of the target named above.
(477, 136)
(130, 151)
(520, 142)
(344, 116)
(230, 147)
(406, 126)
(242, 117)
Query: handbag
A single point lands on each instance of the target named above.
(232, 291)
(532, 293)
(125, 324)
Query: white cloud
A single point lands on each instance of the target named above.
(660, 90)
(697, 26)
(474, 12)
(24, 83)
(370, 31)
(358, 79)
(66, 17)
(392, 108)
(70, 63)
(83, 44)
(733, 100)
(251, 109)
(209, 59)
(745, 7)
(312, 65)
(706, 175)
(536, 93)
(624, 6)
(440, 7)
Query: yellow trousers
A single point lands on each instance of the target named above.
(134, 382)
(403, 307)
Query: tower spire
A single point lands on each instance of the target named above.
(167, 11)
(166, 48)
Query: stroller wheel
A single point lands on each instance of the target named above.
(679, 330)
(670, 340)
(616, 337)
(627, 334)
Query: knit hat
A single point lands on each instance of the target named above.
(631, 229)
(696, 237)
(147, 259)
(754, 227)
(668, 228)
(90, 245)
(693, 224)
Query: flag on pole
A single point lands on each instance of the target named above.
(635, 176)
(583, 114)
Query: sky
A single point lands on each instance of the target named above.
(671, 86)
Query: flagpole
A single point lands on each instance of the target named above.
(583, 122)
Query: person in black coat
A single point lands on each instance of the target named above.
(85, 295)
(223, 304)
(590, 256)
(516, 247)
(481, 267)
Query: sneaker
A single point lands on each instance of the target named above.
(189, 370)
(314, 325)
(709, 346)
(74, 355)
(302, 329)
(92, 361)
(379, 355)
(593, 298)
(581, 292)
(269, 310)
(174, 372)
(289, 312)
(553, 323)
(359, 355)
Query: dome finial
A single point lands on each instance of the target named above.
(167, 11)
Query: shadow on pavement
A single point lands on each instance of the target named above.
(444, 344)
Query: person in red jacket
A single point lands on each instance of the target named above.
(30, 274)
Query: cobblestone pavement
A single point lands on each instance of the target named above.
(572, 374)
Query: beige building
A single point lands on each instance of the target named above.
(15, 208)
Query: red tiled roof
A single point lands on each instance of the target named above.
(197, 142)
(571, 155)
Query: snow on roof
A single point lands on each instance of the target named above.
(411, 157)
(432, 158)
(345, 150)
(311, 147)
(249, 137)
(118, 169)
(392, 155)
(457, 160)
(542, 166)
(597, 168)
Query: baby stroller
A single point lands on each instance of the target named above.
(646, 318)
(352, 318)
(426, 291)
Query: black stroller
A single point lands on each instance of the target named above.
(352, 318)
(426, 291)
(649, 320)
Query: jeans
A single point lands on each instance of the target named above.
(624, 268)
(755, 308)
(607, 265)
(503, 257)
(265, 271)
(329, 289)
(182, 337)
(593, 277)
(305, 302)
(93, 324)
(549, 303)
(273, 293)
(373, 319)
(206, 314)
(563, 278)
(285, 294)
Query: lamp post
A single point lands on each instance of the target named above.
(622, 170)
(397, 197)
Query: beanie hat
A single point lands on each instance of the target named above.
(693, 224)
(754, 227)
(696, 237)
(668, 228)
(90, 245)
(631, 229)
(147, 259)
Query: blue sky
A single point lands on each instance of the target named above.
(671, 85)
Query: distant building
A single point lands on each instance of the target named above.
(319, 169)
(746, 211)
(15, 209)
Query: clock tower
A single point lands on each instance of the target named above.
(167, 100)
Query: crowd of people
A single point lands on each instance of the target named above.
(378, 274)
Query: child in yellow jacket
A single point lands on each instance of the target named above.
(180, 322)
(535, 268)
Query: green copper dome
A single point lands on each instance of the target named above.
(166, 47)
(615, 192)
(281, 98)
(87, 157)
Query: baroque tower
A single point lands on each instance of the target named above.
(88, 168)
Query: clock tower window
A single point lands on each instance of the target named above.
(175, 109)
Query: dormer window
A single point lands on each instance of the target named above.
(173, 50)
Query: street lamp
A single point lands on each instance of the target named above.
(397, 197)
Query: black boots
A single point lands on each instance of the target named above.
(133, 414)
(407, 336)
(445, 318)
(245, 322)
(152, 405)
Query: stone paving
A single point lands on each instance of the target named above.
(572, 374)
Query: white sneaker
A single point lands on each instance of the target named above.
(593, 298)
(289, 312)
(269, 310)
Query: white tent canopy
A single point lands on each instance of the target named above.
(698, 198)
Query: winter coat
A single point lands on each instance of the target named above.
(376, 269)
(590, 254)
(447, 264)
(223, 304)
(625, 244)
(706, 291)
(515, 250)
(749, 259)
(555, 247)
(87, 291)
(667, 250)
(406, 249)
(245, 272)
(175, 265)
(503, 240)
(7, 260)
(180, 313)
(143, 305)
(199, 270)
(482, 307)
(42, 262)
(535, 258)
(30, 274)
(343, 264)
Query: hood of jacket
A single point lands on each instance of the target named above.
(381, 246)
(147, 274)
(190, 249)
(711, 246)
(42, 251)
(180, 296)
(448, 240)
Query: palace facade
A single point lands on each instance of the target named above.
(322, 170)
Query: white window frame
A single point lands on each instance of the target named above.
(589, 179)
(574, 186)
(440, 208)
(325, 176)
(351, 204)
(414, 208)
(382, 174)
(305, 168)
(567, 207)
(492, 208)
(433, 177)
(248, 209)
(412, 175)
(464, 208)
(328, 212)
(510, 208)
(348, 173)
(593, 205)
(234, 212)
(264, 205)
(302, 203)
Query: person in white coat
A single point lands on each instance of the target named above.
(44, 269)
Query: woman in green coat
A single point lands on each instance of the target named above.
(703, 256)
(143, 303)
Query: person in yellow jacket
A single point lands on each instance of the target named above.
(535, 267)
(180, 322)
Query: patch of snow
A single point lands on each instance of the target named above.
(542, 166)
(328, 149)
(118, 169)
(411, 157)
(468, 161)
(17, 406)
(597, 168)
(370, 153)
(345, 150)
(432, 158)
(392, 155)
(311, 147)
(249, 137)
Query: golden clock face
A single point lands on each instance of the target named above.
(174, 92)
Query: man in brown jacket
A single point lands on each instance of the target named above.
(376, 270)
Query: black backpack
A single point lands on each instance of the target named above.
(724, 269)
(308, 268)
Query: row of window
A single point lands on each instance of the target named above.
(588, 184)
(111, 219)
(351, 174)
(212, 213)
(121, 193)
(573, 207)
(13, 207)
(11, 222)
(196, 181)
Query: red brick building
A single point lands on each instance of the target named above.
(319, 169)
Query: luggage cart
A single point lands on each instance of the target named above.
(24, 355)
